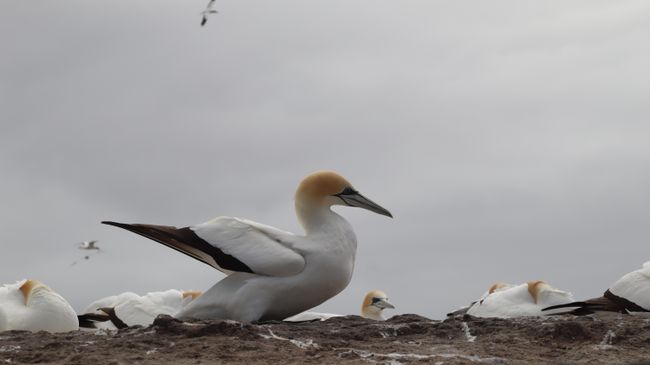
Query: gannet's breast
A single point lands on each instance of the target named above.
(29, 305)
(635, 287)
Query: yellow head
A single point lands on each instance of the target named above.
(28, 288)
(373, 305)
(535, 287)
(327, 188)
(192, 293)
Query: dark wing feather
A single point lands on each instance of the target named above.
(186, 241)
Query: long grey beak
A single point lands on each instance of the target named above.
(355, 199)
(383, 303)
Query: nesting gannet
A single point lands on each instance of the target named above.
(130, 309)
(272, 274)
(208, 10)
(508, 301)
(372, 308)
(374, 304)
(630, 293)
(29, 305)
(495, 287)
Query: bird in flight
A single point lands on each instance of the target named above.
(88, 245)
(208, 10)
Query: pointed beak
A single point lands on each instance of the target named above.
(357, 200)
(383, 304)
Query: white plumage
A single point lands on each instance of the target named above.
(635, 287)
(134, 309)
(29, 305)
(272, 274)
(528, 299)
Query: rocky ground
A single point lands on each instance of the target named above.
(347, 340)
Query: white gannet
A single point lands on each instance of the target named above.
(374, 304)
(630, 293)
(89, 245)
(372, 308)
(208, 10)
(509, 301)
(130, 309)
(272, 274)
(495, 287)
(29, 305)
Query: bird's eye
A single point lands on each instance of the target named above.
(349, 191)
(375, 300)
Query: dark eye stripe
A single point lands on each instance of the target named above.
(348, 191)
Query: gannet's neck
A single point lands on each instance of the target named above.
(372, 312)
(316, 217)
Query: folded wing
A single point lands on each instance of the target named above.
(230, 245)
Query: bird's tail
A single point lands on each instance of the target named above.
(577, 308)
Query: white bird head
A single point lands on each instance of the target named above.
(327, 188)
(373, 305)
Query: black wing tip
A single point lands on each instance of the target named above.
(577, 305)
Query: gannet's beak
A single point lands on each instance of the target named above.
(383, 303)
(353, 198)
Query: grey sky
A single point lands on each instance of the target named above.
(508, 138)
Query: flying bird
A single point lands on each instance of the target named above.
(208, 10)
(29, 305)
(372, 307)
(629, 294)
(510, 301)
(89, 245)
(272, 274)
(129, 309)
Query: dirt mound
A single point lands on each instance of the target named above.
(402, 339)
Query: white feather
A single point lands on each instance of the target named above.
(635, 287)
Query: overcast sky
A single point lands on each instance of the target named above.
(510, 139)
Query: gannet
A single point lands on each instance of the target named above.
(509, 301)
(208, 10)
(88, 245)
(372, 308)
(272, 274)
(129, 309)
(630, 293)
(495, 287)
(29, 305)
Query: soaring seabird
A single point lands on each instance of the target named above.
(208, 10)
(630, 293)
(372, 307)
(272, 274)
(29, 305)
(509, 301)
(89, 245)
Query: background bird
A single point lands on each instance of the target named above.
(208, 10)
(630, 293)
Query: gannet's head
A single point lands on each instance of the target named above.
(497, 286)
(373, 305)
(29, 287)
(193, 294)
(327, 188)
(535, 287)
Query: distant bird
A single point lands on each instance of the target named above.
(272, 274)
(89, 245)
(495, 287)
(509, 301)
(29, 305)
(374, 304)
(208, 10)
(129, 309)
(372, 308)
(629, 294)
